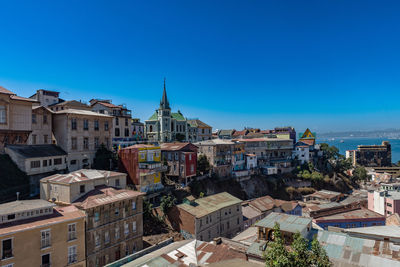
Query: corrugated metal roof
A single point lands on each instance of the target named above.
(287, 222)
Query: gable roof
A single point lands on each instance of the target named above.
(5, 91)
(37, 151)
(178, 146)
(106, 104)
(153, 117)
(198, 123)
(307, 134)
(177, 116)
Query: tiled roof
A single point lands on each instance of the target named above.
(240, 133)
(37, 151)
(109, 105)
(209, 204)
(178, 116)
(60, 214)
(15, 97)
(309, 142)
(5, 91)
(80, 175)
(102, 195)
(81, 112)
(176, 146)
(198, 123)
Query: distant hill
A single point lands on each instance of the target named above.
(388, 133)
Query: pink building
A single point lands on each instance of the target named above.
(384, 202)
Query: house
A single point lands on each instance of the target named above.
(324, 196)
(39, 233)
(80, 133)
(122, 135)
(181, 159)
(206, 218)
(137, 130)
(15, 118)
(114, 215)
(257, 209)
(70, 104)
(289, 225)
(251, 161)
(46, 97)
(225, 156)
(143, 165)
(308, 137)
(202, 131)
(301, 152)
(384, 202)
(166, 126)
(226, 134)
(38, 161)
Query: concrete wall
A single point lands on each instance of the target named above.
(40, 129)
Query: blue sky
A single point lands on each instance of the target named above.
(328, 65)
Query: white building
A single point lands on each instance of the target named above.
(251, 161)
(301, 152)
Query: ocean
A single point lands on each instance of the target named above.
(352, 143)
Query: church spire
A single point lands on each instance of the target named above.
(164, 104)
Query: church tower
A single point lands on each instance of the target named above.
(164, 118)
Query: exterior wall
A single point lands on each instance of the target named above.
(80, 157)
(41, 130)
(204, 133)
(46, 97)
(111, 222)
(183, 222)
(129, 163)
(181, 164)
(27, 249)
(351, 223)
(371, 201)
(379, 203)
(302, 154)
(296, 211)
(251, 162)
(18, 121)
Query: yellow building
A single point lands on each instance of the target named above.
(38, 233)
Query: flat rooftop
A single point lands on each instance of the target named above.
(206, 205)
(59, 215)
(24, 205)
(287, 223)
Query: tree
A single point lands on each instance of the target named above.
(299, 255)
(360, 174)
(147, 210)
(203, 165)
(103, 159)
(330, 152)
(167, 202)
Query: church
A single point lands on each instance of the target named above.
(166, 126)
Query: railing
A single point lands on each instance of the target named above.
(71, 236)
(45, 243)
(72, 258)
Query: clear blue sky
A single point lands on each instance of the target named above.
(328, 65)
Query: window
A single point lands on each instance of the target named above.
(82, 188)
(134, 226)
(72, 254)
(8, 265)
(96, 216)
(45, 260)
(6, 248)
(116, 212)
(34, 118)
(116, 182)
(73, 162)
(133, 205)
(106, 237)
(126, 228)
(227, 225)
(74, 143)
(107, 142)
(45, 238)
(116, 131)
(73, 124)
(190, 156)
(3, 114)
(57, 161)
(96, 125)
(238, 220)
(86, 143)
(50, 162)
(72, 231)
(126, 132)
(35, 164)
(389, 204)
(45, 163)
(126, 122)
(116, 121)
(106, 126)
(237, 207)
(117, 232)
(97, 240)
(45, 138)
(96, 142)
(85, 125)
(126, 250)
(34, 139)
(45, 119)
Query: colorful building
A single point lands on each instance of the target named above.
(143, 165)
(308, 137)
(384, 202)
(181, 159)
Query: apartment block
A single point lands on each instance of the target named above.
(202, 131)
(208, 217)
(80, 133)
(114, 215)
(384, 202)
(39, 233)
(372, 155)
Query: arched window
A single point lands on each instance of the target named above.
(151, 128)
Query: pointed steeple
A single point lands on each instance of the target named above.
(164, 104)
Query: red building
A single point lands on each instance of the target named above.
(181, 159)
